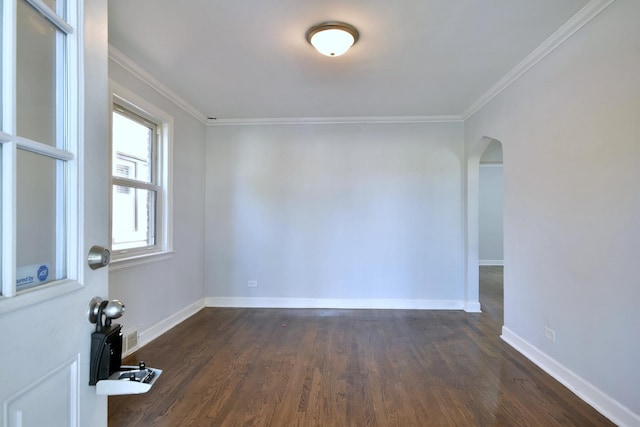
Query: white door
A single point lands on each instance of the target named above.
(54, 159)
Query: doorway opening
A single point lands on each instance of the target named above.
(484, 229)
(490, 231)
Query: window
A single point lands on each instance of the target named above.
(39, 140)
(135, 188)
(140, 178)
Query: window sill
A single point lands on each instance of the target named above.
(134, 261)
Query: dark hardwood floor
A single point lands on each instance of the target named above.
(273, 367)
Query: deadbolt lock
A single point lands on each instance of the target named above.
(98, 257)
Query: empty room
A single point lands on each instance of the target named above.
(212, 215)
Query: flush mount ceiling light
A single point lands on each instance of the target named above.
(332, 38)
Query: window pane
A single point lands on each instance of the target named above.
(37, 50)
(132, 148)
(40, 220)
(133, 218)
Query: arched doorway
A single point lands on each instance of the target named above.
(492, 149)
(490, 233)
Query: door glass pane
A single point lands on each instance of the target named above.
(58, 6)
(1, 235)
(37, 49)
(2, 82)
(51, 4)
(132, 148)
(133, 218)
(40, 220)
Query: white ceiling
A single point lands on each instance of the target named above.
(249, 59)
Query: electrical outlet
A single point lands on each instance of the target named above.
(549, 334)
(252, 284)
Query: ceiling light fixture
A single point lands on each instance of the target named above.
(332, 38)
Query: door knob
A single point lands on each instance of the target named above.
(109, 309)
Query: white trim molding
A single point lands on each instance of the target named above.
(391, 304)
(140, 73)
(124, 263)
(472, 307)
(600, 401)
(334, 120)
(590, 11)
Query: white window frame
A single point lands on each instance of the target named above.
(69, 135)
(163, 248)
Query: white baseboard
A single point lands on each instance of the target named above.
(472, 307)
(399, 304)
(610, 408)
(489, 262)
(148, 335)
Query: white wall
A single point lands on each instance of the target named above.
(336, 213)
(155, 292)
(490, 249)
(569, 129)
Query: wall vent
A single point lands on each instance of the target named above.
(130, 341)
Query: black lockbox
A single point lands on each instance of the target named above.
(106, 353)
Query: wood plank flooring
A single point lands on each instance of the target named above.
(278, 367)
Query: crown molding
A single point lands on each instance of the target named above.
(131, 66)
(334, 120)
(586, 14)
